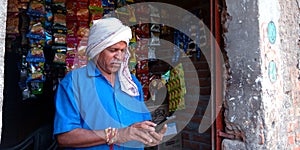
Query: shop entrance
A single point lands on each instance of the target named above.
(26, 110)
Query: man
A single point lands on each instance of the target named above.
(101, 106)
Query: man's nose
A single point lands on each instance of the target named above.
(119, 54)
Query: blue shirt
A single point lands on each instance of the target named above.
(85, 99)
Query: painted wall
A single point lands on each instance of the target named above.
(3, 9)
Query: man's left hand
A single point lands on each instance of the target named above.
(157, 136)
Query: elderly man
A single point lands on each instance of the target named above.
(101, 106)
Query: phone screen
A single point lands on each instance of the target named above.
(165, 121)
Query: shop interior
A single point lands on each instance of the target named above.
(41, 49)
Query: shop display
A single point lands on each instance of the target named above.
(54, 38)
(176, 89)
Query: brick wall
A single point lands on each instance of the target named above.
(195, 105)
(191, 138)
(289, 33)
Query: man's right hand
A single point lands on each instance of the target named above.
(138, 131)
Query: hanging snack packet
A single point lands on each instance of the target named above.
(49, 18)
(133, 39)
(165, 30)
(108, 3)
(95, 3)
(37, 43)
(151, 53)
(155, 28)
(95, 14)
(36, 8)
(142, 31)
(12, 24)
(70, 60)
(25, 93)
(71, 6)
(96, 10)
(82, 11)
(72, 43)
(36, 30)
(82, 14)
(59, 35)
(59, 1)
(154, 41)
(142, 49)
(83, 30)
(48, 39)
(185, 40)
(36, 87)
(12, 6)
(177, 44)
(59, 14)
(36, 53)
(36, 72)
(81, 48)
(60, 54)
(72, 28)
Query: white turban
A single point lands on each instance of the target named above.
(107, 32)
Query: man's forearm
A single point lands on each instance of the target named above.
(81, 138)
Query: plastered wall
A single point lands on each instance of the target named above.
(262, 106)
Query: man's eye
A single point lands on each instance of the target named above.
(112, 50)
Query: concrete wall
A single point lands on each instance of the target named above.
(243, 105)
(262, 104)
(3, 14)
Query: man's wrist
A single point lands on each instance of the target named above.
(111, 135)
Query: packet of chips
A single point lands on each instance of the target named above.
(36, 30)
(36, 72)
(108, 3)
(37, 8)
(82, 12)
(60, 54)
(59, 34)
(12, 24)
(12, 6)
(36, 87)
(96, 10)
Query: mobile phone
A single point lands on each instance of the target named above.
(165, 121)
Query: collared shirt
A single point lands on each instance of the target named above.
(85, 99)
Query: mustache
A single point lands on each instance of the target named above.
(116, 62)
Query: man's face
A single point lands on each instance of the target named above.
(110, 59)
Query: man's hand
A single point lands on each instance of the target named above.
(141, 131)
(157, 136)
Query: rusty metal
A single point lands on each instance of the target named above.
(213, 94)
(225, 135)
(217, 74)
